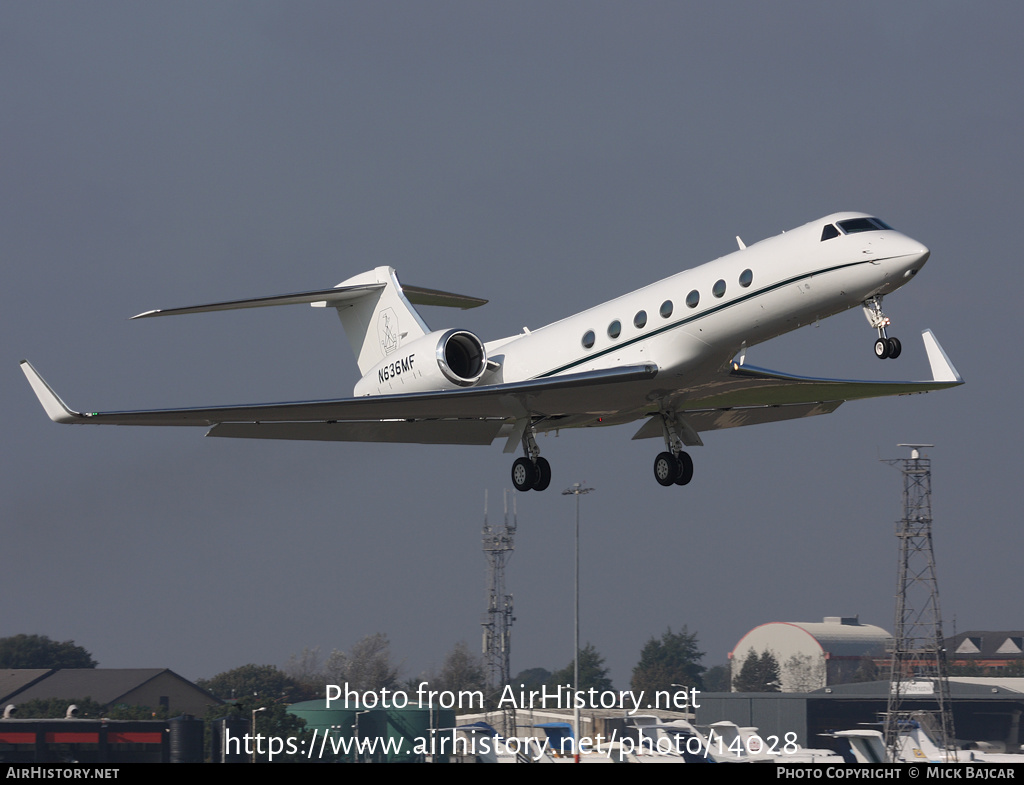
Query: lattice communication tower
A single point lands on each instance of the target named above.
(498, 544)
(919, 673)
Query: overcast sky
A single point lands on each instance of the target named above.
(546, 156)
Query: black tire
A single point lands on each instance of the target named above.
(685, 469)
(895, 347)
(881, 348)
(543, 469)
(666, 468)
(524, 474)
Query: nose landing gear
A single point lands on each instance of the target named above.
(885, 347)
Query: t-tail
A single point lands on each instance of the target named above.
(375, 309)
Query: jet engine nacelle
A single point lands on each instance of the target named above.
(441, 360)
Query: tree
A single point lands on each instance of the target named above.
(866, 671)
(531, 678)
(263, 682)
(674, 659)
(760, 673)
(804, 673)
(367, 667)
(717, 679)
(593, 674)
(462, 670)
(266, 690)
(306, 670)
(49, 708)
(38, 651)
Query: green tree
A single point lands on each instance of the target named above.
(593, 673)
(266, 690)
(263, 682)
(38, 651)
(759, 673)
(674, 659)
(531, 678)
(717, 679)
(48, 708)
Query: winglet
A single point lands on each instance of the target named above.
(56, 409)
(942, 368)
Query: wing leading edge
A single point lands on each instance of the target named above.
(745, 395)
(468, 413)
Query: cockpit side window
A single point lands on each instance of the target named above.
(829, 232)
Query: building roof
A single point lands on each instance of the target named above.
(836, 635)
(108, 686)
(999, 645)
(14, 681)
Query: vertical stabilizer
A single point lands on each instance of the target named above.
(380, 321)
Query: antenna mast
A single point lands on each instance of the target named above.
(497, 623)
(919, 672)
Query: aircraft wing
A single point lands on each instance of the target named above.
(745, 395)
(464, 416)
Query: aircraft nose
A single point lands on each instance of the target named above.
(913, 259)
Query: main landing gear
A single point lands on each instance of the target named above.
(531, 475)
(531, 472)
(885, 347)
(672, 467)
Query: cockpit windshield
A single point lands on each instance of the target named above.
(853, 226)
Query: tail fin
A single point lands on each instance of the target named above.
(383, 318)
(379, 321)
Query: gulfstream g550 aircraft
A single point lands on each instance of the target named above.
(670, 355)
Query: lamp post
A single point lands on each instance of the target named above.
(577, 490)
(252, 729)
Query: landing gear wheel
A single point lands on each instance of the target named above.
(685, 469)
(543, 470)
(895, 347)
(666, 468)
(881, 348)
(524, 474)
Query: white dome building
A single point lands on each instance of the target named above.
(812, 655)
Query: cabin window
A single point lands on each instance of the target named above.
(829, 232)
(614, 329)
(640, 319)
(693, 298)
(666, 309)
(719, 288)
(746, 278)
(588, 339)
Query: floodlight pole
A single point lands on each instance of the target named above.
(576, 489)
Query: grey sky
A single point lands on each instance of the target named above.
(546, 156)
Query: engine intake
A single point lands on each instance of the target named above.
(461, 357)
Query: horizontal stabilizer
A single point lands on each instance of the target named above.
(335, 296)
(339, 295)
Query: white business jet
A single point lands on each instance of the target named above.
(670, 355)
